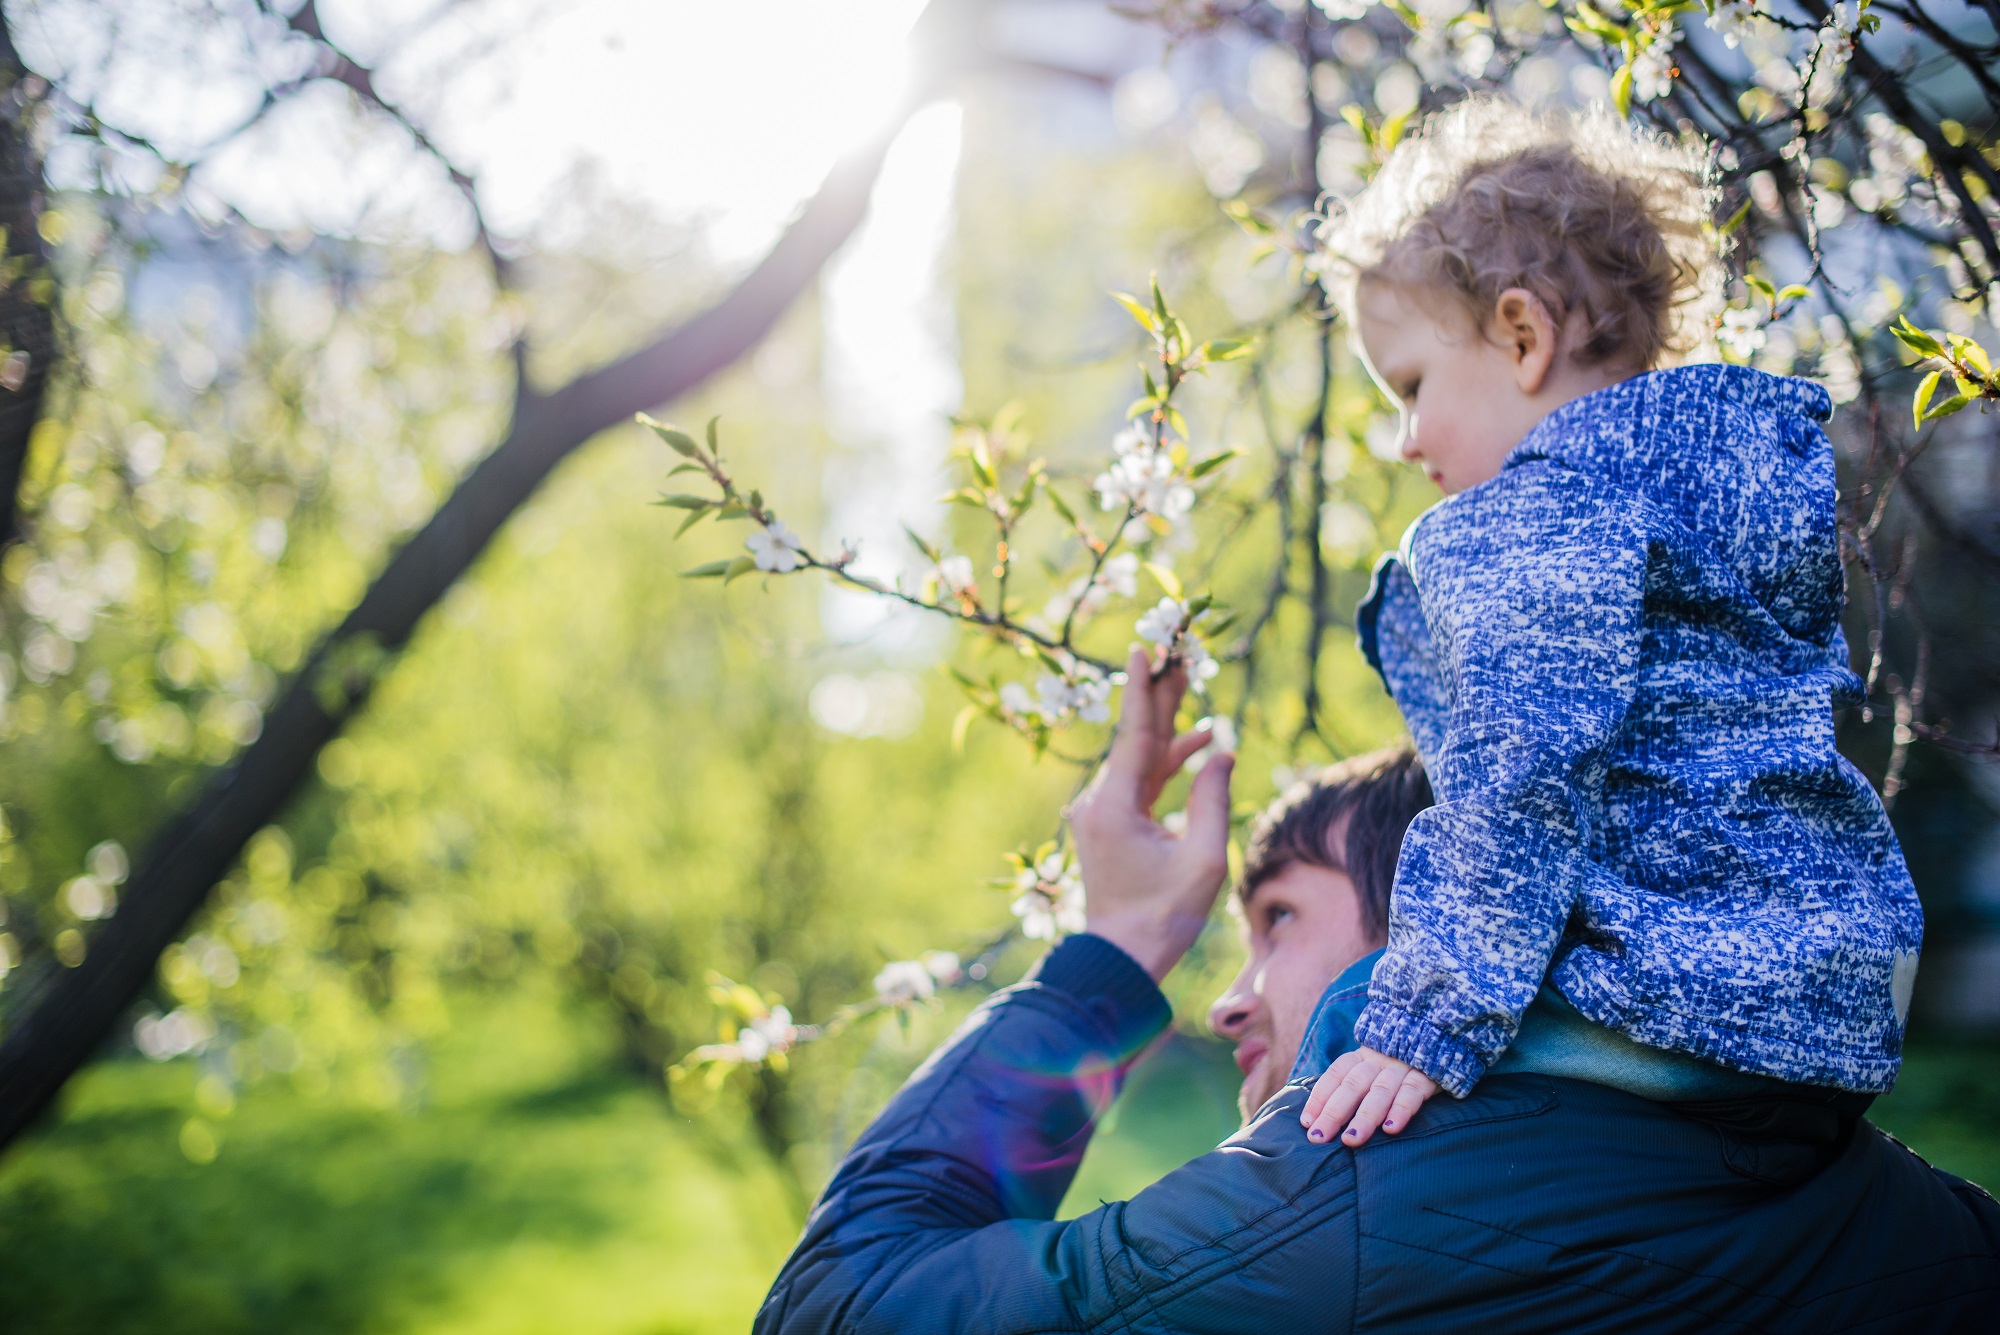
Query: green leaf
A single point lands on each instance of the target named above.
(732, 510)
(1061, 505)
(966, 496)
(1137, 310)
(1213, 462)
(1762, 285)
(678, 469)
(683, 501)
(1357, 119)
(691, 521)
(1226, 349)
(1141, 407)
(680, 440)
(1916, 339)
(926, 548)
(1392, 131)
(1792, 292)
(1972, 355)
(742, 565)
(960, 726)
(1947, 408)
(1160, 310)
(1247, 218)
(714, 448)
(713, 570)
(1735, 219)
(1165, 578)
(1199, 605)
(1923, 397)
(1621, 89)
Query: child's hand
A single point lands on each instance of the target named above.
(1359, 1088)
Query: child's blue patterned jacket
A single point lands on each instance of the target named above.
(1619, 660)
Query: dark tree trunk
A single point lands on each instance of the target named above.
(64, 1023)
(27, 297)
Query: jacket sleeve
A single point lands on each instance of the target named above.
(1395, 640)
(941, 1216)
(1533, 587)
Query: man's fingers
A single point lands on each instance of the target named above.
(1167, 693)
(1416, 1088)
(1130, 761)
(1208, 805)
(1171, 756)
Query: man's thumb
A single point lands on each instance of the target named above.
(1208, 803)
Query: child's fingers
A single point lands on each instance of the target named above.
(1417, 1087)
(1323, 1087)
(1368, 1115)
(1343, 1092)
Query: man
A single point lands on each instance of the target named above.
(1314, 900)
(1538, 1203)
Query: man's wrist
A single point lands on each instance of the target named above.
(1153, 945)
(1104, 979)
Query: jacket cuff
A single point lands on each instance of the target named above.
(1409, 1038)
(1109, 984)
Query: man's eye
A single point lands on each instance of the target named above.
(1275, 915)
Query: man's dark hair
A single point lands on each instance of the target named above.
(1376, 795)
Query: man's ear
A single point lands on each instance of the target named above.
(1524, 328)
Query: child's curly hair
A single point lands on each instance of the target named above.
(1586, 212)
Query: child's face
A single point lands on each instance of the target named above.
(1468, 395)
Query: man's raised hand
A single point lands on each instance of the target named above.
(1147, 890)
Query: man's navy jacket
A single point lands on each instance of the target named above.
(1537, 1204)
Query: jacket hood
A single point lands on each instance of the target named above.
(1737, 457)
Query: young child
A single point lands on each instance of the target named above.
(1617, 645)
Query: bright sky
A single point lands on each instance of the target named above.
(729, 111)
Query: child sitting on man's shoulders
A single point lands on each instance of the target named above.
(1617, 645)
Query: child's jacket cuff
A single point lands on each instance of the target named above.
(1410, 1038)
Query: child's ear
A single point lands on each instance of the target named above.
(1527, 332)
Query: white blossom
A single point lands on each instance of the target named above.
(1836, 37)
(942, 965)
(1147, 482)
(775, 548)
(955, 574)
(1015, 700)
(1086, 693)
(904, 981)
(1200, 663)
(1221, 739)
(1050, 899)
(766, 1035)
(1741, 334)
(1653, 68)
(1733, 20)
(1163, 622)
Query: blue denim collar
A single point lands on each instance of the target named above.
(1332, 1029)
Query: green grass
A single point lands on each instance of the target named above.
(539, 1189)
(536, 1192)
(1946, 1106)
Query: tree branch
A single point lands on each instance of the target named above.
(64, 1022)
(27, 297)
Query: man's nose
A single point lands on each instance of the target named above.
(1231, 1013)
